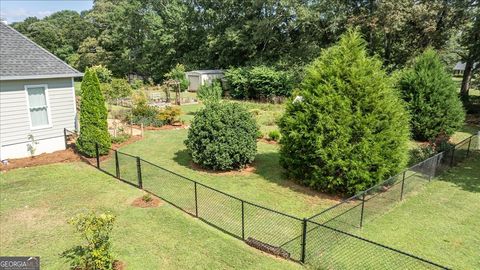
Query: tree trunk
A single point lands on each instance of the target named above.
(467, 77)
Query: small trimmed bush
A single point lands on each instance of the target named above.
(274, 135)
(222, 137)
(95, 230)
(146, 115)
(431, 97)
(346, 129)
(93, 118)
(170, 114)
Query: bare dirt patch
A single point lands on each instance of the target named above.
(142, 203)
(118, 265)
(268, 141)
(249, 169)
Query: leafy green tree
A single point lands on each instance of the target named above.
(431, 97)
(222, 137)
(178, 73)
(120, 89)
(104, 75)
(90, 53)
(93, 118)
(470, 39)
(345, 129)
(45, 34)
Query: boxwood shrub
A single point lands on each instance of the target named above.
(222, 137)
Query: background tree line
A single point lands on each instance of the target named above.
(148, 37)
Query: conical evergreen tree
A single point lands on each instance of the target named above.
(431, 97)
(93, 117)
(346, 128)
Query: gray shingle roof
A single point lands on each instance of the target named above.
(206, 71)
(21, 58)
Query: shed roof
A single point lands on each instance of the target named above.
(21, 58)
(206, 71)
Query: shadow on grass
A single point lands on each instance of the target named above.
(268, 166)
(182, 158)
(466, 175)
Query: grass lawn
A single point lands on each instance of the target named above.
(36, 202)
(440, 223)
(266, 185)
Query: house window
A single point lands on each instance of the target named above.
(38, 106)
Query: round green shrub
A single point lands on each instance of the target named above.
(431, 97)
(93, 118)
(346, 129)
(222, 137)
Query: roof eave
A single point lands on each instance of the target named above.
(46, 76)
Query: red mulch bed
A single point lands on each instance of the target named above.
(63, 156)
(140, 202)
(250, 168)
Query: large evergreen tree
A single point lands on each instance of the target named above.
(432, 98)
(346, 129)
(93, 117)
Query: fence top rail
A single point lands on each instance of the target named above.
(123, 153)
(360, 194)
(380, 245)
(219, 191)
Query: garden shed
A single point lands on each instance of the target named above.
(197, 78)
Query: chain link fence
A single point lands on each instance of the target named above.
(322, 240)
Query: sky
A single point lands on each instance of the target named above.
(17, 10)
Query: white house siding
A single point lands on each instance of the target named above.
(15, 118)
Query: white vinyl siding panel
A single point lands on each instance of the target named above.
(15, 113)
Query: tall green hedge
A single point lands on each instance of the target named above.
(346, 128)
(93, 117)
(431, 96)
(258, 82)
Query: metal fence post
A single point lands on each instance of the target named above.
(469, 142)
(304, 240)
(97, 155)
(451, 158)
(403, 184)
(363, 207)
(65, 137)
(117, 165)
(243, 221)
(139, 173)
(196, 199)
